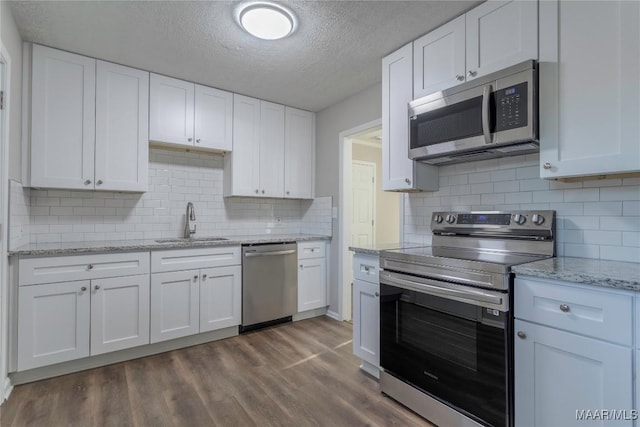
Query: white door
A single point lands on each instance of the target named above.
(220, 298)
(439, 58)
(174, 305)
(53, 323)
(366, 321)
(364, 203)
(63, 90)
(122, 128)
(213, 118)
(311, 284)
(119, 313)
(299, 153)
(500, 34)
(242, 165)
(171, 104)
(271, 149)
(589, 88)
(558, 373)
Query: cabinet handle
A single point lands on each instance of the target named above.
(204, 276)
(195, 277)
(198, 140)
(87, 182)
(408, 181)
(472, 73)
(189, 139)
(564, 308)
(84, 288)
(97, 287)
(521, 335)
(90, 266)
(377, 294)
(99, 182)
(459, 77)
(546, 166)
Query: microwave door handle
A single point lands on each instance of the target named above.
(486, 95)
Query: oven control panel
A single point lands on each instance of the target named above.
(504, 222)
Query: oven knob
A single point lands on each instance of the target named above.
(438, 218)
(451, 219)
(537, 219)
(519, 219)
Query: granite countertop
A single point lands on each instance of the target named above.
(67, 248)
(613, 274)
(375, 249)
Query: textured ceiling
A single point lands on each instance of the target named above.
(335, 53)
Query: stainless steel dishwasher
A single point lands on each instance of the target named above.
(269, 284)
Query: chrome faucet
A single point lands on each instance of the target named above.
(190, 216)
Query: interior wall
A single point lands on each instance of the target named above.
(387, 203)
(356, 110)
(13, 43)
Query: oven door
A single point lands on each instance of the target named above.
(451, 341)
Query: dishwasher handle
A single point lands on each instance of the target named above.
(256, 253)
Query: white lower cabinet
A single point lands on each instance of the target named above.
(220, 298)
(312, 275)
(366, 321)
(174, 304)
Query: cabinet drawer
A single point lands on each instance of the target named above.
(311, 249)
(187, 259)
(591, 312)
(32, 271)
(366, 267)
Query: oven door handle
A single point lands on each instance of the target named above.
(433, 288)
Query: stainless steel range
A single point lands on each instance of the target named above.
(446, 326)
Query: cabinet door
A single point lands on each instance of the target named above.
(366, 321)
(399, 173)
(299, 153)
(242, 165)
(171, 103)
(312, 284)
(213, 118)
(119, 313)
(558, 373)
(174, 304)
(589, 88)
(271, 149)
(500, 34)
(439, 58)
(220, 297)
(53, 323)
(122, 128)
(63, 90)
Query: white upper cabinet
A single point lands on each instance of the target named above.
(89, 122)
(63, 103)
(186, 114)
(299, 141)
(399, 173)
(439, 60)
(490, 37)
(271, 149)
(122, 116)
(242, 166)
(589, 88)
(500, 34)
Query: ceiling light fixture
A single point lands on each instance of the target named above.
(265, 20)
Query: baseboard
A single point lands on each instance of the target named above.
(333, 315)
(6, 390)
(310, 314)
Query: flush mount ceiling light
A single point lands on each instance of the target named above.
(267, 21)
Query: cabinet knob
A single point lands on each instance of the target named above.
(459, 77)
(546, 166)
(84, 288)
(257, 191)
(198, 140)
(87, 182)
(472, 73)
(99, 182)
(97, 287)
(377, 294)
(287, 193)
(564, 308)
(521, 335)
(189, 139)
(408, 181)
(301, 266)
(90, 266)
(204, 276)
(262, 191)
(195, 277)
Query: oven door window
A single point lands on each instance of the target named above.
(454, 351)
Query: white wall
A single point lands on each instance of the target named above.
(596, 218)
(356, 110)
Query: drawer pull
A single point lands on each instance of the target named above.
(84, 288)
(521, 335)
(97, 287)
(195, 277)
(564, 308)
(377, 294)
(90, 266)
(204, 276)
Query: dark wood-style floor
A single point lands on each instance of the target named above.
(300, 374)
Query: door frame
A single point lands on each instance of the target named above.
(373, 212)
(5, 85)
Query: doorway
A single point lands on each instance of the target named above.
(370, 216)
(5, 63)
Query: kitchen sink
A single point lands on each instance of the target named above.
(192, 239)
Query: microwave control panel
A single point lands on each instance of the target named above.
(511, 107)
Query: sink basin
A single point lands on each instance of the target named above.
(192, 239)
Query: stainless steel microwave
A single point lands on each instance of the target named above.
(492, 116)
